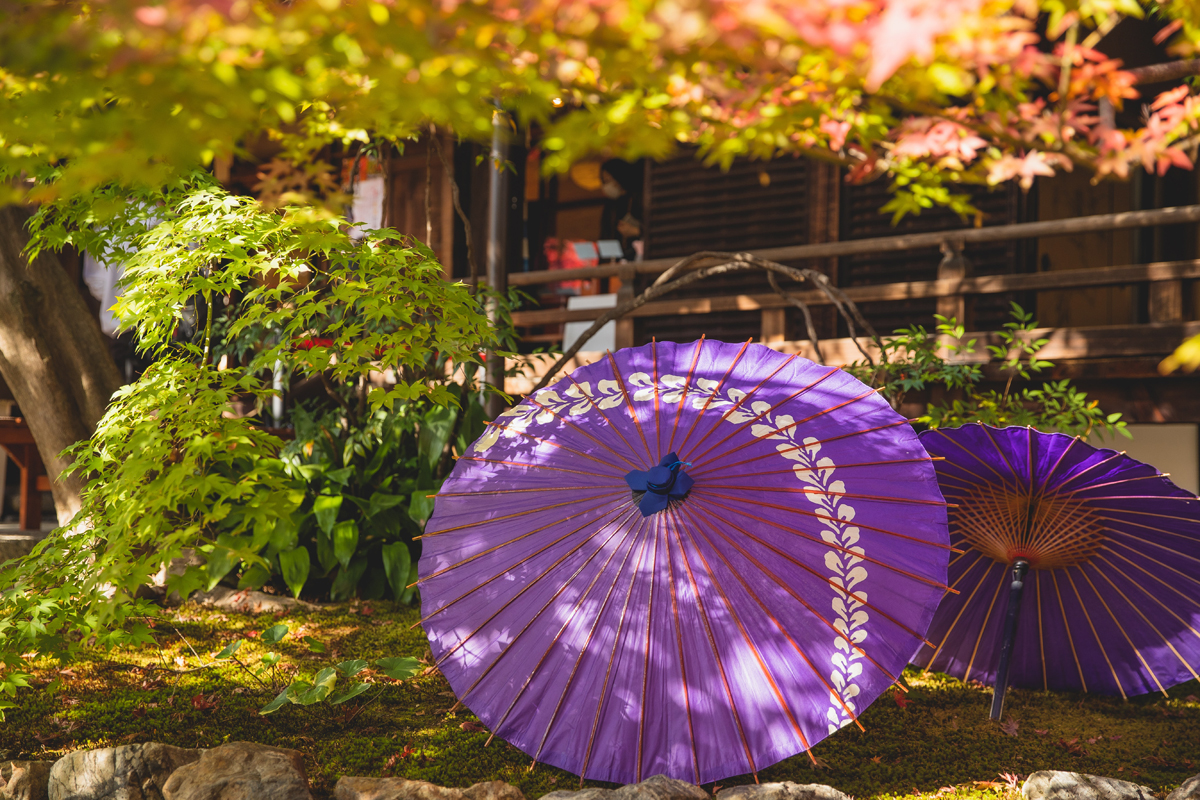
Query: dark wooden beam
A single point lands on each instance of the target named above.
(893, 244)
(948, 287)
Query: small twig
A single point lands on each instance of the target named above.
(808, 320)
(208, 329)
(185, 641)
(331, 390)
(364, 706)
(1104, 29)
(1064, 76)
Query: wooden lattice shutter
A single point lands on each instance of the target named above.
(753, 206)
(861, 219)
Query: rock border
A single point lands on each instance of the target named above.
(249, 771)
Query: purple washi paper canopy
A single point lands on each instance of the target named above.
(1112, 600)
(734, 623)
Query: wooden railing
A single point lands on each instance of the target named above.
(952, 288)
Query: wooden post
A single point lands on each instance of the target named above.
(954, 266)
(1166, 301)
(497, 246)
(623, 335)
(774, 325)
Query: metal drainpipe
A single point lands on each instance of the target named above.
(497, 245)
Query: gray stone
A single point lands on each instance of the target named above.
(130, 772)
(393, 789)
(594, 793)
(1054, 785)
(246, 601)
(1188, 790)
(658, 787)
(781, 791)
(241, 771)
(493, 790)
(24, 780)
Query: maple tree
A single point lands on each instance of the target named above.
(930, 93)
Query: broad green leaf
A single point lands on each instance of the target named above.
(396, 563)
(340, 476)
(221, 559)
(413, 576)
(351, 668)
(325, 509)
(314, 645)
(345, 541)
(346, 582)
(274, 634)
(255, 577)
(285, 534)
(294, 564)
(281, 699)
(322, 685)
(420, 508)
(435, 429)
(349, 694)
(382, 502)
(325, 556)
(229, 650)
(399, 667)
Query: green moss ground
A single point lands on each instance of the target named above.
(941, 743)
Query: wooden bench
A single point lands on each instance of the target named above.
(18, 442)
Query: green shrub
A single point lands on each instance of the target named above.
(175, 465)
(915, 360)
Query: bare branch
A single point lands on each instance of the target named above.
(728, 263)
(808, 320)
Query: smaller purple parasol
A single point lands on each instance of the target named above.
(1081, 570)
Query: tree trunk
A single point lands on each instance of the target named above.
(52, 356)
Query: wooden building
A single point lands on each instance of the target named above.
(1112, 302)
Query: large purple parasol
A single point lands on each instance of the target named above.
(1108, 598)
(694, 560)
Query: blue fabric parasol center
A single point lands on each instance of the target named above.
(660, 484)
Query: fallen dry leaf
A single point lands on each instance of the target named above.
(472, 726)
(900, 699)
(203, 702)
(1010, 726)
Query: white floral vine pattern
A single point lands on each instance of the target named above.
(846, 567)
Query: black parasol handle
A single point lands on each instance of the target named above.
(1019, 569)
